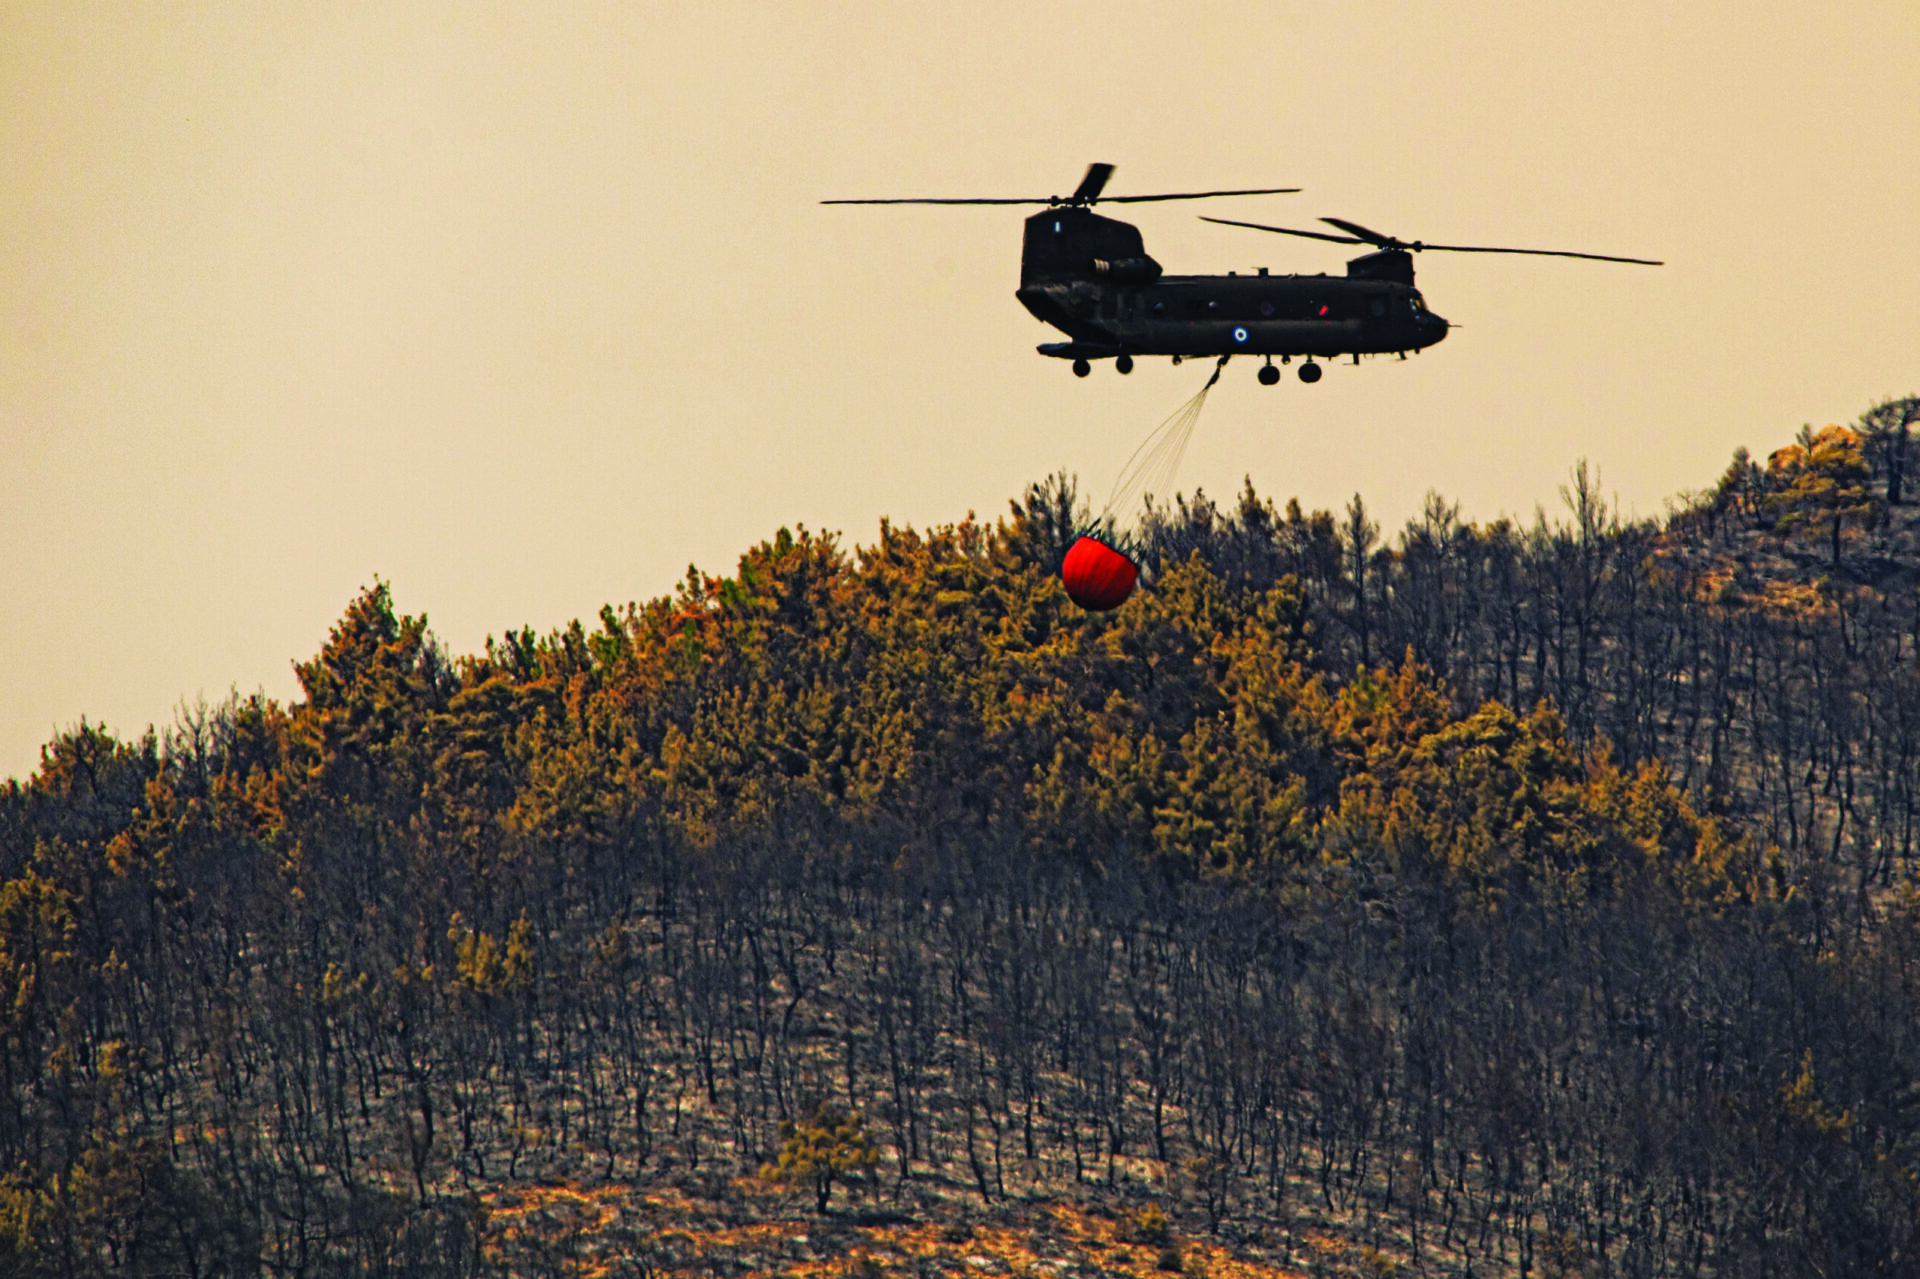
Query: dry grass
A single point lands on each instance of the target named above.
(618, 1230)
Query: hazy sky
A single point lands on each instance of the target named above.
(525, 307)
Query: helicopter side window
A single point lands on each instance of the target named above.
(1377, 308)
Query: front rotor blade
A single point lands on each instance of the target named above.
(1284, 230)
(1390, 242)
(1538, 253)
(1370, 236)
(1196, 195)
(1090, 186)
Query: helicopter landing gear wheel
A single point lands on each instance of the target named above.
(1309, 372)
(1081, 368)
(1123, 363)
(1269, 375)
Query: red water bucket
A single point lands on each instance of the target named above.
(1098, 578)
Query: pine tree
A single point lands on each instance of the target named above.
(829, 1144)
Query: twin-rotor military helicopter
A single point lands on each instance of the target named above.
(1091, 278)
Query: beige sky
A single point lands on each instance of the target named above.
(524, 308)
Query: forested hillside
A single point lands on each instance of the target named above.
(1519, 898)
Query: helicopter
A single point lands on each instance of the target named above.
(1091, 277)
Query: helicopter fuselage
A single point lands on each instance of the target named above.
(1090, 277)
(1198, 315)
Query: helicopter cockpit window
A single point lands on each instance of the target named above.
(1417, 305)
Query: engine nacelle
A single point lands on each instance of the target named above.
(1140, 270)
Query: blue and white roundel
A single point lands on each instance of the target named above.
(1239, 334)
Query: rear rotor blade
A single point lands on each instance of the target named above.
(1090, 186)
(1076, 199)
(1088, 194)
(1197, 195)
(1283, 230)
(1043, 200)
